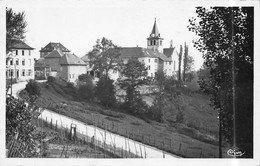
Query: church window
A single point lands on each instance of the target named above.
(151, 42)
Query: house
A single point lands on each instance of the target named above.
(20, 64)
(171, 69)
(41, 69)
(52, 46)
(71, 67)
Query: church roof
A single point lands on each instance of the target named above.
(155, 29)
(139, 52)
(168, 51)
(71, 59)
(52, 46)
(54, 54)
(18, 44)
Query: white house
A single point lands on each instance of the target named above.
(21, 62)
(71, 67)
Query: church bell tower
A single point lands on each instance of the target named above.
(154, 41)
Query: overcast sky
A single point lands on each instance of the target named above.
(77, 24)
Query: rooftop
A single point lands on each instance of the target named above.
(52, 46)
(18, 44)
(71, 59)
(54, 54)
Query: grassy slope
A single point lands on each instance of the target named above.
(198, 115)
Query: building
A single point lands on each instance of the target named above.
(71, 67)
(52, 46)
(20, 64)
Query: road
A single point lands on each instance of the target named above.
(109, 138)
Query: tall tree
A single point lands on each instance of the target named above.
(226, 39)
(105, 57)
(185, 60)
(180, 59)
(134, 75)
(15, 27)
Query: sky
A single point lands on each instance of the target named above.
(77, 24)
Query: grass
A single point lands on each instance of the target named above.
(193, 135)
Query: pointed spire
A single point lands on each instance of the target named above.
(155, 29)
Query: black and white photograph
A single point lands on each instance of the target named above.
(130, 82)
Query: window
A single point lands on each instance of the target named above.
(16, 52)
(12, 72)
(160, 42)
(17, 73)
(29, 52)
(151, 42)
(151, 74)
(11, 62)
(155, 60)
(23, 62)
(22, 52)
(149, 60)
(29, 72)
(23, 73)
(170, 63)
(17, 61)
(149, 67)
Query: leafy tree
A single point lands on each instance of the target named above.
(226, 39)
(15, 27)
(204, 79)
(20, 139)
(134, 76)
(33, 89)
(105, 92)
(105, 57)
(180, 59)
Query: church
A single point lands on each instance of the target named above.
(155, 57)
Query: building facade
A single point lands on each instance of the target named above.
(52, 46)
(20, 64)
(71, 67)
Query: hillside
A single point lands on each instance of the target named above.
(195, 137)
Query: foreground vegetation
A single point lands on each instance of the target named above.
(185, 135)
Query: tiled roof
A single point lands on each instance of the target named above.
(139, 52)
(168, 51)
(18, 44)
(52, 46)
(41, 63)
(54, 54)
(71, 59)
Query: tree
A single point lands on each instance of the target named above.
(185, 60)
(180, 59)
(134, 76)
(15, 27)
(86, 88)
(20, 138)
(226, 39)
(105, 92)
(105, 57)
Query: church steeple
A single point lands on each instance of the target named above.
(154, 41)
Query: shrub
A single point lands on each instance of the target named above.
(51, 79)
(20, 140)
(86, 92)
(105, 92)
(33, 88)
(180, 117)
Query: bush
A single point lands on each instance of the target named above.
(33, 88)
(105, 92)
(20, 140)
(86, 92)
(51, 79)
(180, 117)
